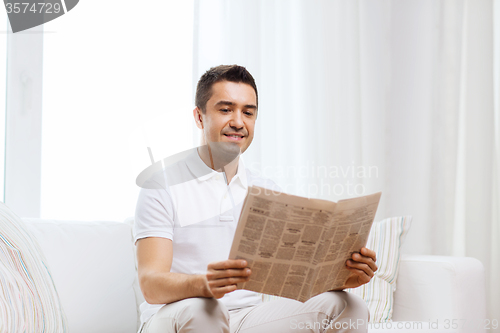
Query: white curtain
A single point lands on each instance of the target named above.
(375, 95)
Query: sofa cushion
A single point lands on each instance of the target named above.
(386, 238)
(93, 268)
(29, 301)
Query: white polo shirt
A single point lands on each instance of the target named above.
(199, 215)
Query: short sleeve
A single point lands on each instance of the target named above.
(154, 215)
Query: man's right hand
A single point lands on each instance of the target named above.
(222, 277)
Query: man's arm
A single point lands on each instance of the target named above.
(160, 286)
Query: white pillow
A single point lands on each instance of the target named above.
(386, 238)
(92, 264)
(29, 301)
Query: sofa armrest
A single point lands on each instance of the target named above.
(440, 288)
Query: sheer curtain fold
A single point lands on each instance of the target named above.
(494, 286)
(365, 96)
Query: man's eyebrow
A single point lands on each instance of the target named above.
(248, 106)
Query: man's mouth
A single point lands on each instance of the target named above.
(234, 136)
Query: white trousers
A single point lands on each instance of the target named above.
(333, 311)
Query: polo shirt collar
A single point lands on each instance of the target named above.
(203, 172)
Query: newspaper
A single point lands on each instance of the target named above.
(297, 247)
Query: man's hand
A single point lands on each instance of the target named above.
(362, 267)
(222, 277)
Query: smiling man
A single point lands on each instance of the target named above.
(226, 111)
(184, 233)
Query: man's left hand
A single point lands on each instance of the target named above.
(362, 267)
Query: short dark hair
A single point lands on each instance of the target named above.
(231, 73)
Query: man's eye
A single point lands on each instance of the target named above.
(225, 110)
(249, 113)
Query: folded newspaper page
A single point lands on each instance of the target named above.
(297, 247)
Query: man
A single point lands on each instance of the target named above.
(184, 230)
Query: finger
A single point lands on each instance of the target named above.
(220, 292)
(356, 257)
(228, 264)
(226, 282)
(360, 266)
(222, 274)
(361, 275)
(369, 253)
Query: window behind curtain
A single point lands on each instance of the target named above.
(117, 79)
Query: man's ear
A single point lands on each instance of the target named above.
(198, 117)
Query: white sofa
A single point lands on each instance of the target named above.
(94, 269)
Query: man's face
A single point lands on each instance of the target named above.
(230, 114)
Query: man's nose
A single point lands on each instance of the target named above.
(237, 120)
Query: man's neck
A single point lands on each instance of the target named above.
(229, 169)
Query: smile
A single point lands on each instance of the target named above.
(234, 137)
